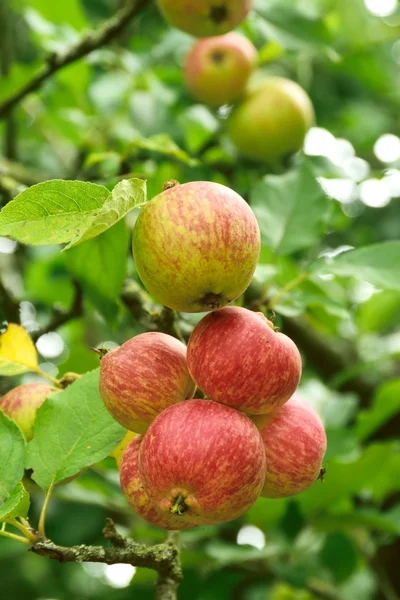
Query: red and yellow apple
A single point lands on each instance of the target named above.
(132, 488)
(217, 69)
(272, 121)
(236, 357)
(21, 403)
(202, 462)
(142, 377)
(295, 444)
(196, 246)
(204, 18)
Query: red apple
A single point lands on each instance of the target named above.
(21, 403)
(203, 462)
(217, 69)
(142, 377)
(295, 444)
(132, 488)
(236, 357)
(196, 246)
(272, 121)
(203, 18)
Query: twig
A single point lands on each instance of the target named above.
(91, 41)
(287, 288)
(163, 558)
(9, 306)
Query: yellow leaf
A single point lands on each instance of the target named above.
(119, 450)
(17, 351)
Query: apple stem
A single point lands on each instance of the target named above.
(179, 507)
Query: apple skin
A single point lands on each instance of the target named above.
(217, 69)
(237, 358)
(196, 246)
(133, 490)
(205, 18)
(142, 377)
(295, 444)
(203, 462)
(272, 121)
(21, 403)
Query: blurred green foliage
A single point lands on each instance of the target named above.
(124, 112)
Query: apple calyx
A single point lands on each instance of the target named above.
(219, 14)
(101, 352)
(170, 184)
(179, 506)
(213, 301)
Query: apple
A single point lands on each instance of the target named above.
(217, 69)
(21, 403)
(196, 246)
(204, 18)
(142, 377)
(133, 490)
(295, 444)
(272, 121)
(202, 462)
(236, 357)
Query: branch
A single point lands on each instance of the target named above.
(9, 306)
(163, 558)
(60, 317)
(91, 41)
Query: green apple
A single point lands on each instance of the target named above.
(272, 121)
(217, 69)
(196, 246)
(205, 18)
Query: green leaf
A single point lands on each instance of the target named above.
(385, 405)
(379, 264)
(163, 144)
(343, 479)
(339, 555)
(127, 194)
(72, 431)
(12, 446)
(290, 209)
(387, 522)
(199, 125)
(17, 505)
(52, 212)
(100, 266)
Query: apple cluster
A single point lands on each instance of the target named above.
(201, 461)
(269, 115)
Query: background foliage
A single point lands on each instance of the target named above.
(123, 112)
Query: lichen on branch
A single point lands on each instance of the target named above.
(163, 558)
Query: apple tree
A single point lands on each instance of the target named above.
(199, 299)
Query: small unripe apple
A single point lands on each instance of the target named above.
(21, 403)
(272, 121)
(204, 18)
(217, 69)
(295, 444)
(133, 490)
(196, 246)
(142, 377)
(203, 462)
(236, 357)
